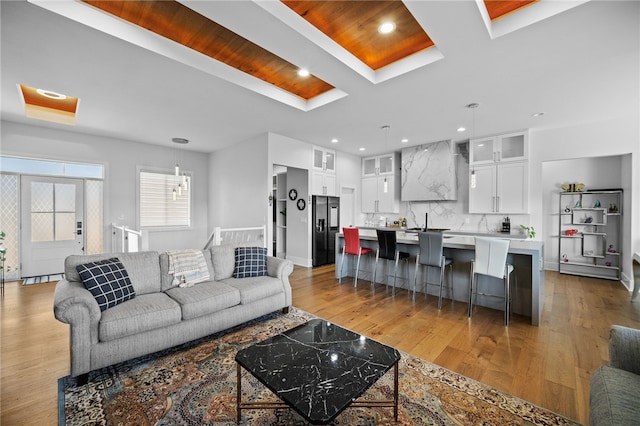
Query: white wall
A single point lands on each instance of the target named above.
(298, 247)
(121, 159)
(600, 139)
(240, 185)
(349, 174)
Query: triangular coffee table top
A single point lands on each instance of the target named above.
(318, 368)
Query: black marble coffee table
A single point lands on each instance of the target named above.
(318, 369)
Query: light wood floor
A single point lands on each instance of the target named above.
(549, 365)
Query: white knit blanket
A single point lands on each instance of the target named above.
(188, 267)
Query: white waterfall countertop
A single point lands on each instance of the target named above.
(456, 239)
(513, 235)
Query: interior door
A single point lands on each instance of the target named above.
(52, 218)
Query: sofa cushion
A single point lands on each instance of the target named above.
(250, 262)
(145, 312)
(108, 282)
(613, 397)
(204, 298)
(255, 288)
(224, 259)
(143, 268)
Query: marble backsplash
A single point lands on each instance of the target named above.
(453, 215)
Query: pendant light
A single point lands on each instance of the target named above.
(181, 179)
(473, 107)
(385, 183)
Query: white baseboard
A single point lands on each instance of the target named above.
(301, 261)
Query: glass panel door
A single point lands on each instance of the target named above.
(52, 218)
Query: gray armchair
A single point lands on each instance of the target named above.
(615, 388)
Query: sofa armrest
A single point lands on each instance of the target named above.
(624, 348)
(279, 268)
(70, 293)
(73, 304)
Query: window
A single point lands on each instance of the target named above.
(159, 207)
(33, 166)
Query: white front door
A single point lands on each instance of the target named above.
(52, 218)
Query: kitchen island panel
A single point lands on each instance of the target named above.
(524, 255)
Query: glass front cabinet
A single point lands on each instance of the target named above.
(323, 173)
(499, 174)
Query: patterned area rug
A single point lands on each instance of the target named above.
(195, 384)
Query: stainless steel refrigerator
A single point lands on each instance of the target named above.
(326, 224)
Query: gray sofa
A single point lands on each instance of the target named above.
(161, 315)
(615, 388)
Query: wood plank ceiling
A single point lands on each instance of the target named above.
(354, 26)
(351, 24)
(498, 8)
(177, 22)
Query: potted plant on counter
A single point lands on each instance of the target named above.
(531, 233)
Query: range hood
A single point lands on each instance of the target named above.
(429, 172)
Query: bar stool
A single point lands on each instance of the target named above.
(388, 251)
(491, 260)
(431, 255)
(352, 247)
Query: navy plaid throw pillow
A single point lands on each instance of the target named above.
(108, 282)
(250, 262)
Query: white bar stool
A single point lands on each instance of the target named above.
(491, 260)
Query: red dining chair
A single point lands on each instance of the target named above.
(353, 248)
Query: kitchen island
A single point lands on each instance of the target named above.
(525, 256)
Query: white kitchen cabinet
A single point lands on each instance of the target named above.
(374, 197)
(499, 188)
(323, 172)
(379, 173)
(381, 165)
(324, 160)
(500, 166)
(323, 183)
(499, 149)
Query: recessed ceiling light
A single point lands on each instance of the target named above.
(405, 140)
(303, 72)
(334, 140)
(462, 129)
(538, 114)
(51, 95)
(386, 27)
(362, 149)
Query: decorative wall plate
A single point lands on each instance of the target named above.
(301, 204)
(293, 194)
